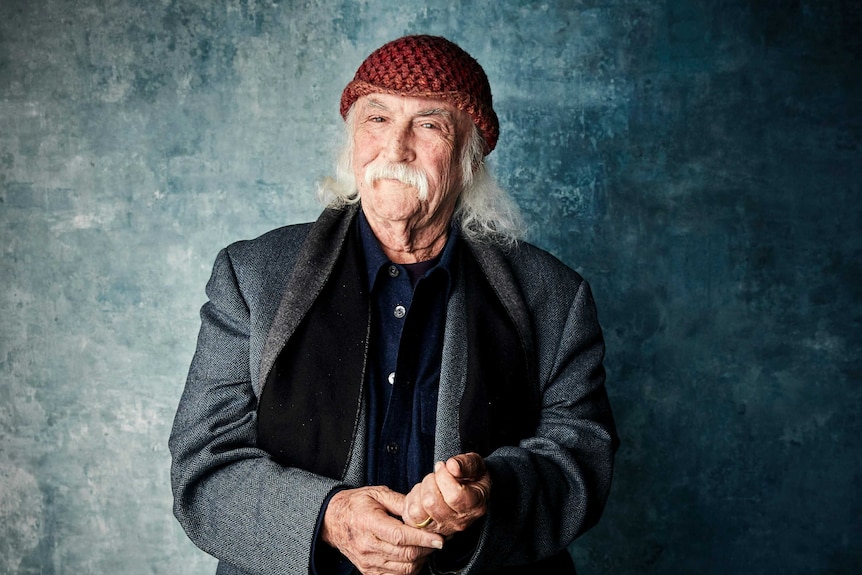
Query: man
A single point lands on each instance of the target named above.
(401, 386)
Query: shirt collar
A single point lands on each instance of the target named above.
(376, 259)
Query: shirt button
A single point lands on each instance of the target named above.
(392, 378)
(392, 448)
(394, 271)
(400, 311)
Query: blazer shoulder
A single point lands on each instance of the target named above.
(537, 268)
(281, 246)
(260, 266)
(534, 285)
(271, 252)
(288, 237)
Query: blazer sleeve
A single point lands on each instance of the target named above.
(233, 501)
(553, 486)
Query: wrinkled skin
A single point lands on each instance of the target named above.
(365, 523)
(454, 495)
(362, 524)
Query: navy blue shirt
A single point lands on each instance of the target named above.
(408, 313)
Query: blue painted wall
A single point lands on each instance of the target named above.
(698, 161)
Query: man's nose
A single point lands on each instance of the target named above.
(399, 147)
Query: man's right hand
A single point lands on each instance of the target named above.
(362, 523)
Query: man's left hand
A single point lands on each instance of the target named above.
(453, 496)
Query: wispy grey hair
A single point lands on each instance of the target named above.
(485, 211)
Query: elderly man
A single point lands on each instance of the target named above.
(401, 386)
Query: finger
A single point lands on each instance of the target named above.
(448, 485)
(392, 501)
(389, 542)
(357, 523)
(414, 513)
(399, 535)
(408, 568)
(399, 544)
(433, 500)
(461, 497)
(431, 496)
(473, 474)
(466, 466)
(415, 541)
(377, 562)
(454, 514)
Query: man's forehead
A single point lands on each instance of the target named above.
(415, 105)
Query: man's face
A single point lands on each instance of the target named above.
(421, 134)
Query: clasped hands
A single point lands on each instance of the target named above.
(364, 523)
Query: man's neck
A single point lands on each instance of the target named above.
(404, 242)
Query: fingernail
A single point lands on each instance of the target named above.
(437, 544)
(438, 465)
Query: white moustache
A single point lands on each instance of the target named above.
(405, 174)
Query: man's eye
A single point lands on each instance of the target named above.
(376, 119)
(429, 125)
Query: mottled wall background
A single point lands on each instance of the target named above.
(698, 161)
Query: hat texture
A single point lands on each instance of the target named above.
(427, 67)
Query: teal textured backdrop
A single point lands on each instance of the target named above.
(698, 161)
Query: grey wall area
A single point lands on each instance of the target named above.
(698, 162)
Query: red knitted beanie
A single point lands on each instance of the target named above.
(427, 67)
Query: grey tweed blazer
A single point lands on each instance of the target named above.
(258, 517)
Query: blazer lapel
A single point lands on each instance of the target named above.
(487, 390)
(311, 408)
(453, 374)
(499, 274)
(314, 265)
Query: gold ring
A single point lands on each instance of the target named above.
(425, 523)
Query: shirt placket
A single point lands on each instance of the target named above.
(397, 421)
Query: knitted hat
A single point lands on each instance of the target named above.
(427, 67)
